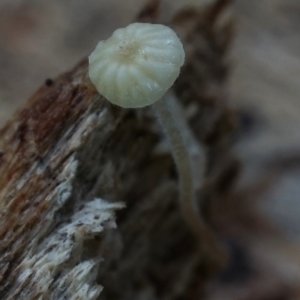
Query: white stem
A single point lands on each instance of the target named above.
(164, 111)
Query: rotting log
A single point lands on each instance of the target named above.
(70, 161)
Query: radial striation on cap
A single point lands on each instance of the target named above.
(137, 64)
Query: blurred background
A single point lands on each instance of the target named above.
(40, 39)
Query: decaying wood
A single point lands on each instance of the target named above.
(69, 160)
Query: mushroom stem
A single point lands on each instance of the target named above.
(179, 148)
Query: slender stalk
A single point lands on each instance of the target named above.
(175, 134)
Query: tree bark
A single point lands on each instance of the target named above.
(88, 191)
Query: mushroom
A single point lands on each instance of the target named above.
(134, 68)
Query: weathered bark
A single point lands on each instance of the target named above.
(69, 160)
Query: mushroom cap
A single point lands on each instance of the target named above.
(137, 64)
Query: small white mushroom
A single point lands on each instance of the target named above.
(134, 68)
(137, 64)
